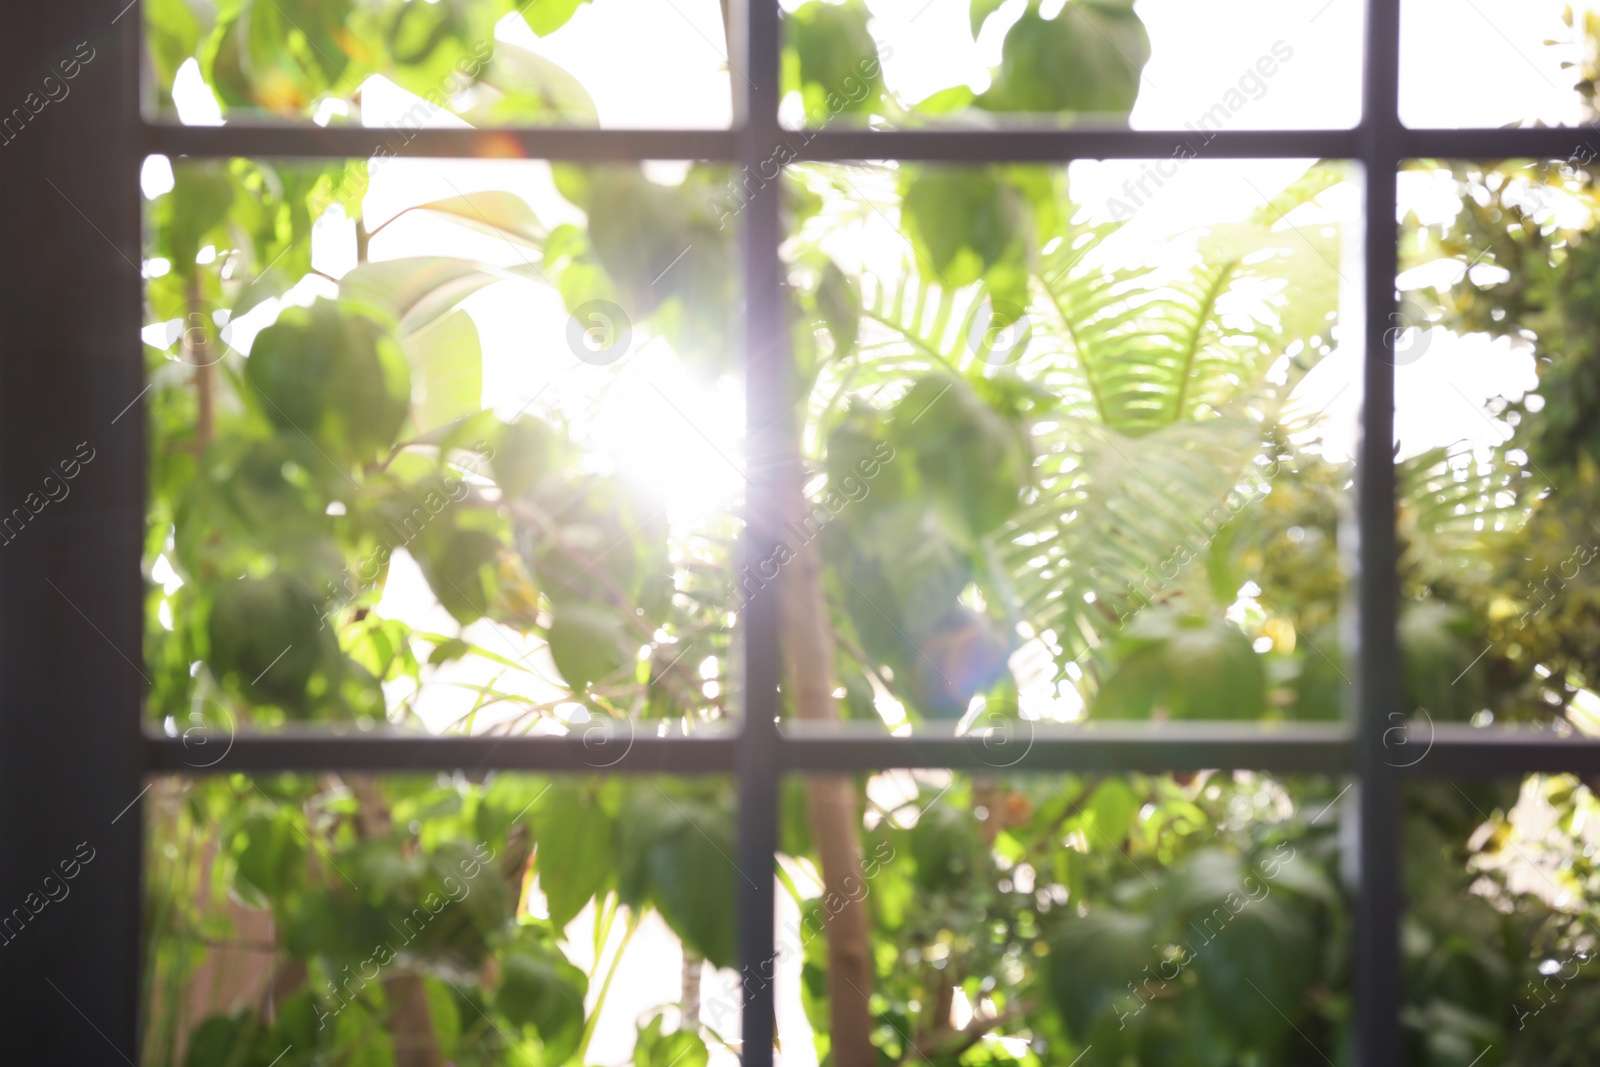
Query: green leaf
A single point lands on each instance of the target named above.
(1451, 510)
(1088, 58)
(497, 214)
(836, 59)
(461, 565)
(963, 221)
(980, 12)
(173, 34)
(417, 290)
(472, 900)
(267, 641)
(681, 1048)
(1112, 806)
(676, 853)
(446, 651)
(1256, 971)
(946, 847)
(269, 857)
(1091, 959)
(333, 377)
(535, 86)
(202, 194)
(1190, 667)
(1298, 875)
(668, 252)
(1444, 672)
(973, 459)
(545, 17)
(221, 1041)
(1321, 686)
(365, 1035)
(279, 55)
(840, 305)
(859, 454)
(575, 848)
(445, 1017)
(902, 571)
(447, 370)
(524, 451)
(1241, 934)
(589, 644)
(946, 101)
(539, 988)
(508, 797)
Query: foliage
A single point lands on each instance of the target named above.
(1024, 441)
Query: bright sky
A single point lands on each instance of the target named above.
(649, 63)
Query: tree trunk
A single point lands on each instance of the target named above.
(410, 1021)
(689, 1000)
(835, 820)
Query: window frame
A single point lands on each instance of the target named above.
(75, 754)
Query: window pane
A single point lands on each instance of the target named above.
(1499, 944)
(1497, 62)
(1494, 369)
(1166, 64)
(1082, 440)
(618, 63)
(455, 446)
(491, 920)
(1097, 919)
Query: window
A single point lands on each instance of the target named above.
(77, 754)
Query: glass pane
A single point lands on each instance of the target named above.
(1495, 444)
(403, 920)
(452, 446)
(1161, 64)
(1097, 920)
(396, 63)
(1076, 458)
(1497, 62)
(1499, 938)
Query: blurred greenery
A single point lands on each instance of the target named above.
(1021, 442)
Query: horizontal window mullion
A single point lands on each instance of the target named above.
(1545, 142)
(604, 749)
(1441, 751)
(1023, 746)
(358, 142)
(1456, 750)
(1057, 145)
(952, 145)
(955, 146)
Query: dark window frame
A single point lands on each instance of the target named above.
(75, 754)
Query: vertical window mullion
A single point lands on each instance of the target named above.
(769, 447)
(70, 683)
(1377, 797)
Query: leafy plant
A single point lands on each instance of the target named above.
(1020, 441)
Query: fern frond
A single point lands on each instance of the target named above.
(1116, 520)
(1456, 508)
